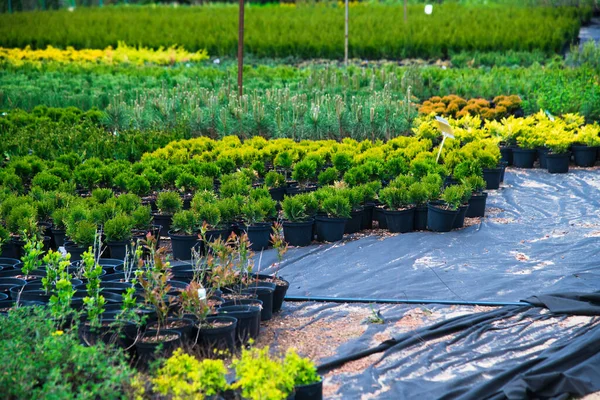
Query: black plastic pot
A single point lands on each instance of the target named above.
(117, 249)
(367, 220)
(420, 218)
(584, 156)
(35, 295)
(219, 338)
(542, 153)
(558, 163)
(248, 325)
(5, 305)
(59, 237)
(439, 219)
(506, 154)
(379, 215)
(259, 236)
(264, 292)
(503, 165)
(524, 158)
(400, 221)
(12, 262)
(354, 224)
(459, 221)
(492, 177)
(182, 245)
(330, 229)
(298, 233)
(148, 351)
(280, 291)
(277, 193)
(165, 223)
(75, 251)
(112, 331)
(477, 205)
(312, 391)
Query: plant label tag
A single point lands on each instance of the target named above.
(202, 294)
(445, 127)
(428, 9)
(550, 117)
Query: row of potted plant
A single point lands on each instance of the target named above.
(456, 107)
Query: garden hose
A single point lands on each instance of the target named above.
(405, 301)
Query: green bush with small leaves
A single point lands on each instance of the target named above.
(168, 202)
(118, 229)
(184, 222)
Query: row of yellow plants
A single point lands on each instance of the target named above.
(455, 106)
(538, 130)
(122, 54)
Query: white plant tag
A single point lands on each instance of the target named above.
(428, 9)
(202, 294)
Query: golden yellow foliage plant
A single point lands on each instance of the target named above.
(123, 54)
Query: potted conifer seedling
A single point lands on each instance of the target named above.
(184, 234)
(168, 203)
(118, 235)
(585, 147)
(297, 224)
(257, 213)
(400, 212)
(441, 214)
(337, 208)
(478, 198)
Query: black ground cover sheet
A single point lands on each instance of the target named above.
(541, 236)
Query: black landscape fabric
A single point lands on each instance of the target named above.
(540, 237)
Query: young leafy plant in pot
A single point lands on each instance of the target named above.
(168, 203)
(297, 224)
(419, 194)
(586, 144)
(83, 235)
(142, 224)
(558, 157)
(441, 215)
(304, 173)
(118, 235)
(525, 154)
(308, 385)
(184, 234)
(356, 197)
(154, 278)
(330, 227)
(476, 186)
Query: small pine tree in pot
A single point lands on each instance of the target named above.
(441, 215)
(298, 224)
(184, 234)
(168, 203)
(118, 231)
(478, 199)
(400, 212)
(256, 214)
(337, 207)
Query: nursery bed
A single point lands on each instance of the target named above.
(540, 235)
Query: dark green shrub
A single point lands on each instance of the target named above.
(274, 180)
(395, 198)
(184, 222)
(294, 209)
(128, 202)
(142, 217)
(186, 182)
(138, 185)
(337, 206)
(210, 214)
(328, 176)
(168, 202)
(304, 171)
(419, 193)
(22, 218)
(101, 196)
(46, 181)
(260, 192)
(229, 209)
(475, 183)
(118, 229)
(342, 162)
(82, 233)
(453, 196)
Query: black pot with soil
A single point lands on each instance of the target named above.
(420, 218)
(184, 326)
(330, 229)
(182, 245)
(59, 236)
(164, 220)
(400, 221)
(312, 391)
(477, 205)
(118, 250)
(379, 216)
(157, 344)
(281, 288)
(558, 163)
(298, 233)
(264, 292)
(584, 156)
(277, 193)
(506, 154)
(524, 158)
(492, 177)
(75, 251)
(217, 333)
(542, 153)
(354, 224)
(459, 221)
(248, 321)
(259, 236)
(367, 219)
(440, 219)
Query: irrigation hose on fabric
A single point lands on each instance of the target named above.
(385, 345)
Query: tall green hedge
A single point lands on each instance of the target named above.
(376, 31)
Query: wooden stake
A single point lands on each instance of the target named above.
(241, 50)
